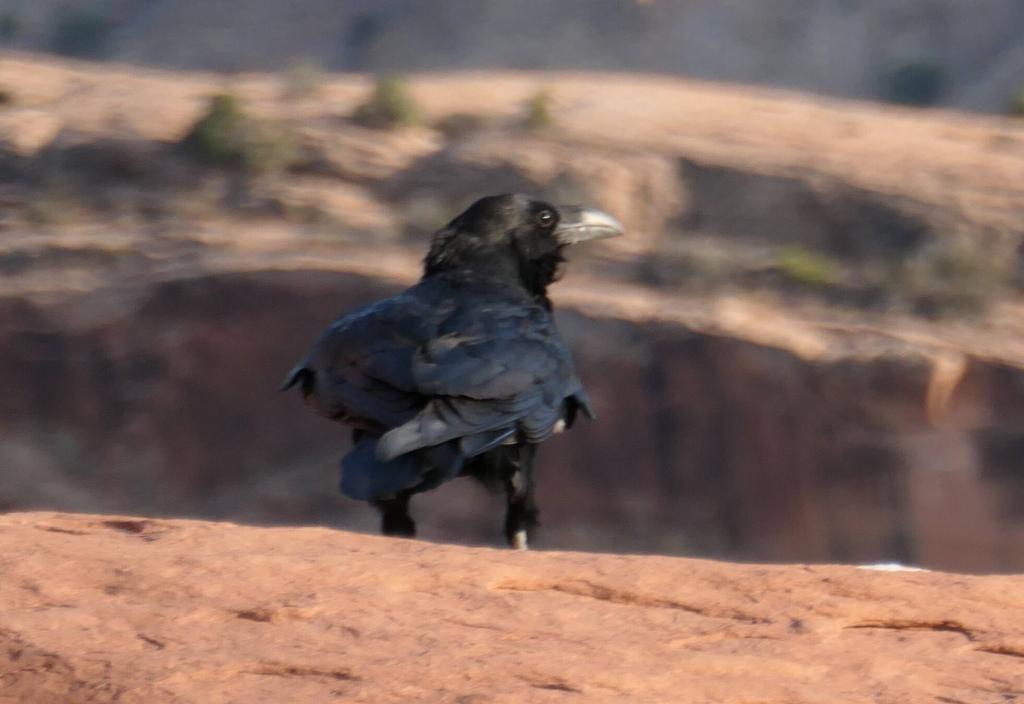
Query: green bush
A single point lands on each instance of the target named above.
(303, 79)
(389, 106)
(227, 137)
(919, 83)
(81, 33)
(218, 138)
(538, 112)
(808, 268)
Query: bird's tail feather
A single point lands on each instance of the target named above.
(443, 420)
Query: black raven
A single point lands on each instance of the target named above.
(463, 373)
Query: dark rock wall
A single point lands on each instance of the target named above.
(705, 445)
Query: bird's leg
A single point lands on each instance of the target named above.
(522, 511)
(394, 516)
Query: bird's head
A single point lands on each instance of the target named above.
(512, 236)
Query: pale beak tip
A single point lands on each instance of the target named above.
(586, 224)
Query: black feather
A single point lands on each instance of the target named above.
(440, 378)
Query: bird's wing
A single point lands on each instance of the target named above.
(494, 366)
(362, 364)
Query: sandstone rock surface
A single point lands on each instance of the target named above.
(103, 608)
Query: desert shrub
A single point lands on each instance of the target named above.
(1016, 107)
(390, 105)
(808, 268)
(81, 33)
(538, 115)
(461, 124)
(227, 137)
(6, 97)
(218, 137)
(303, 79)
(919, 83)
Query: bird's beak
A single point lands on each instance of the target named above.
(583, 224)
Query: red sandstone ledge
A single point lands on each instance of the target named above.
(105, 608)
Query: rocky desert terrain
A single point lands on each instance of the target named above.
(101, 609)
(808, 348)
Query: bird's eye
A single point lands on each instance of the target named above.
(545, 218)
